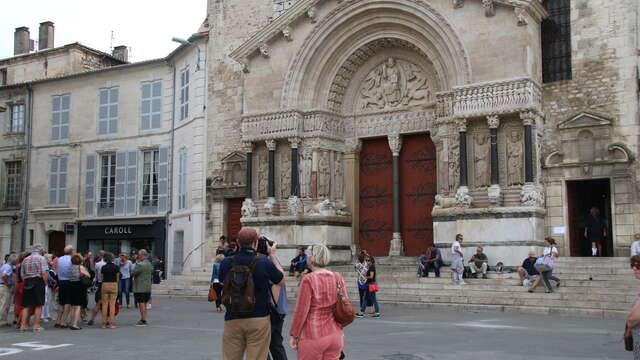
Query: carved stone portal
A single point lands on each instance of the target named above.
(393, 84)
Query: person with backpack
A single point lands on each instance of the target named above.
(315, 332)
(247, 277)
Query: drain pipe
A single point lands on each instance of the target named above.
(25, 200)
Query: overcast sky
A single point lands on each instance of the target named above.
(146, 26)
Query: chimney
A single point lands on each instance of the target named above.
(45, 35)
(21, 43)
(121, 53)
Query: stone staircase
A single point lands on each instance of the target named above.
(594, 287)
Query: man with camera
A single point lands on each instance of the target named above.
(247, 326)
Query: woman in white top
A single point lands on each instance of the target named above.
(545, 266)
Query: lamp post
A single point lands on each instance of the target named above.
(189, 43)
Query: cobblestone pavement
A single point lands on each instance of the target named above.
(185, 330)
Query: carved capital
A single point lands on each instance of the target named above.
(528, 118)
(271, 145)
(458, 4)
(395, 143)
(521, 16)
(312, 13)
(295, 142)
(493, 121)
(353, 145)
(244, 65)
(461, 125)
(489, 8)
(287, 32)
(265, 50)
(247, 146)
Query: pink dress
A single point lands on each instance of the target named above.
(313, 322)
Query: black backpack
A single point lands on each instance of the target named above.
(238, 292)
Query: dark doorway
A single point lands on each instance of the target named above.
(582, 196)
(234, 213)
(56, 243)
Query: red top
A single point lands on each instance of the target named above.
(317, 297)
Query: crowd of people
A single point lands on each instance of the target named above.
(34, 282)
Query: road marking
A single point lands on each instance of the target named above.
(9, 351)
(36, 346)
(184, 328)
(491, 326)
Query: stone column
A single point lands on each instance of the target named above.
(463, 199)
(527, 121)
(271, 183)
(494, 190)
(295, 174)
(352, 186)
(249, 171)
(395, 143)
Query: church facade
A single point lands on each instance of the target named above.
(391, 125)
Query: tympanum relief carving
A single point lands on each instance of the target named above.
(393, 84)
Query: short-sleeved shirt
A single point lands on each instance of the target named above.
(142, 277)
(33, 265)
(479, 257)
(98, 269)
(455, 245)
(125, 268)
(109, 273)
(264, 274)
(371, 270)
(6, 269)
(64, 266)
(549, 250)
(530, 266)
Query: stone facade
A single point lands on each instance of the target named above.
(405, 67)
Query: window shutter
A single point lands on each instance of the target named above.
(90, 186)
(121, 179)
(113, 110)
(163, 179)
(53, 180)
(132, 174)
(62, 180)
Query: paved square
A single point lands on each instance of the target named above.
(191, 330)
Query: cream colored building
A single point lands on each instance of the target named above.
(389, 125)
(117, 160)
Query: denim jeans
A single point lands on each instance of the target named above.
(363, 294)
(370, 298)
(124, 287)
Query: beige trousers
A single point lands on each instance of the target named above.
(250, 336)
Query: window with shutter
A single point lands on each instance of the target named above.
(16, 121)
(13, 180)
(108, 111)
(107, 185)
(58, 180)
(60, 117)
(182, 180)
(151, 105)
(184, 94)
(90, 186)
(163, 180)
(121, 181)
(131, 184)
(556, 41)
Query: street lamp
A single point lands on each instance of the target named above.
(187, 42)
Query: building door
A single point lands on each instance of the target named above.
(417, 192)
(234, 213)
(376, 197)
(582, 196)
(57, 243)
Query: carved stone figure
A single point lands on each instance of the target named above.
(481, 160)
(341, 208)
(532, 196)
(463, 199)
(521, 16)
(324, 207)
(287, 32)
(514, 158)
(489, 8)
(339, 177)
(305, 173)
(249, 208)
(294, 206)
(324, 175)
(269, 206)
(443, 202)
(454, 166)
(458, 4)
(263, 175)
(394, 83)
(285, 175)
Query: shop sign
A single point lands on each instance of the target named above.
(118, 230)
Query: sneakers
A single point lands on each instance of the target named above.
(461, 282)
(359, 315)
(148, 306)
(375, 315)
(90, 323)
(141, 323)
(484, 276)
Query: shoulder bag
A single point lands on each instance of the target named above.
(343, 311)
(628, 339)
(212, 296)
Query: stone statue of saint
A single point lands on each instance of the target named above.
(339, 177)
(324, 175)
(391, 89)
(305, 173)
(285, 176)
(481, 160)
(514, 159)
(263, 175)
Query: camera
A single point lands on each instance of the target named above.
(263, 245)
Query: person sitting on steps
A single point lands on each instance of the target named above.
(430, 259)
(299, 263)
(528, 270)
(479, 262)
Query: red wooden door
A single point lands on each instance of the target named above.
(234, 214)
(57, 243)
(376, 197)
(417, 192)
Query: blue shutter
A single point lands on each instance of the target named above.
(163, 179)
(90, 186)
(62, 180)
(131, 182)
(121, 168)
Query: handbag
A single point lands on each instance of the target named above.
(628, 339)
(373, 288)
(85, 281)
(343, 312)
(213, 295)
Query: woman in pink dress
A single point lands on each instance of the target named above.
(315, 334)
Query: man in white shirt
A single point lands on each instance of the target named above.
(6, 283)
(635, 246)
(457, 262)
